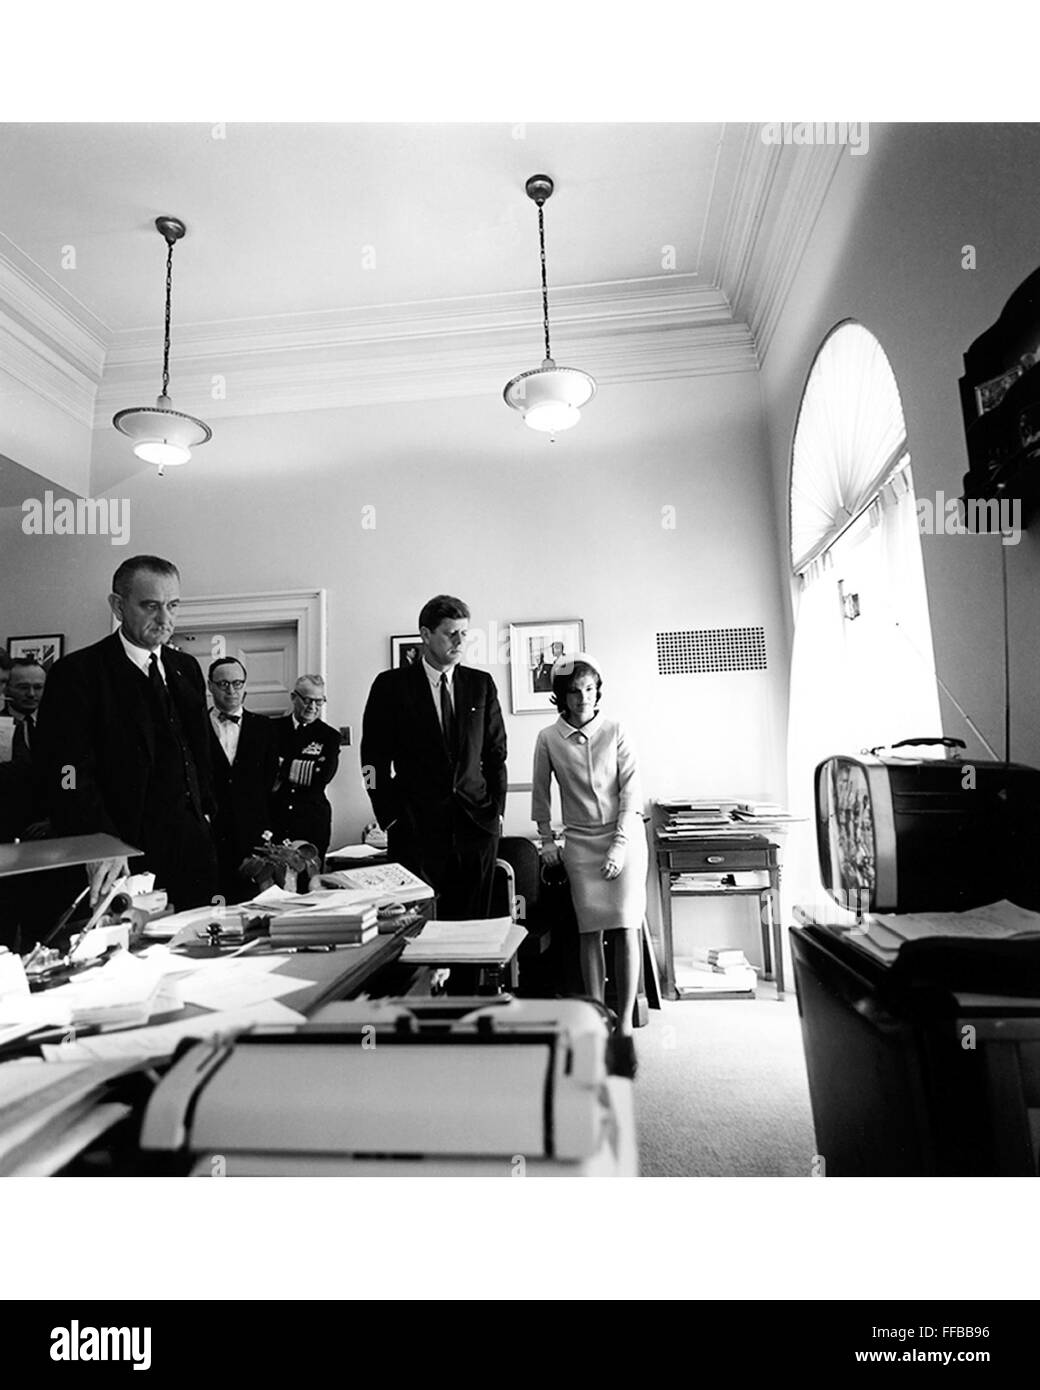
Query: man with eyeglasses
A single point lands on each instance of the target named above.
(244, 760)
(308, 757)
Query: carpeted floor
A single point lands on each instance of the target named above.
(722, 1090)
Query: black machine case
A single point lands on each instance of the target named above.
(904, 834)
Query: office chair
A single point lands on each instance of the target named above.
(518, 894)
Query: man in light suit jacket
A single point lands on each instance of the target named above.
(245, 763)
(439, 726)
(308, 757)
(123, 741)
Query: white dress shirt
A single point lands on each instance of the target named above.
(434, 677)
(141, 656)
(227, 732)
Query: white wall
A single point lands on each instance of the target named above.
(887, 250)
(469, 501)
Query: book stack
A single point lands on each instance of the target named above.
(716, 971)
(321, 924)
(760, 812)
(687, 819)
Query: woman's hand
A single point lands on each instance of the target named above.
(550, 854)
(611, 867)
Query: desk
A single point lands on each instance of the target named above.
(896, 1089)
(492, 967)
(723, 853)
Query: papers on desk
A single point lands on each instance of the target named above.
(50, 1112)
(883, 935)
(193, 918)
(160, 1040)
(125, 991)
(231, 988)
(460, 941)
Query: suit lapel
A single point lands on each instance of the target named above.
(131, 689)
(425, 712)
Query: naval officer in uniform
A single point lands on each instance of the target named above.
(308, 757)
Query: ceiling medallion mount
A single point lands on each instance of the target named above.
(539, 188)
(548, 397)
(160, 434)
(171, 228)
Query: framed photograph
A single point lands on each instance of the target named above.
(405, 651)
(44, 650)
(534, 648)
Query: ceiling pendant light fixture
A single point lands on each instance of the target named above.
(548, 397)
(161, 434)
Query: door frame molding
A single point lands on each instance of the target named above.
(305, 609)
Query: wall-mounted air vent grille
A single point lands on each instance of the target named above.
(711, 649)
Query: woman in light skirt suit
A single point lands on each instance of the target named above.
(604, 849)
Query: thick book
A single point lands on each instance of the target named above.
(323, 936)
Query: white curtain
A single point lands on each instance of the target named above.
(849, 438)
(857, 682)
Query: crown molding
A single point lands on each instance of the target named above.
(48, 341)
(33, 363)
(665, 326)
(814, 170)
(782, 190)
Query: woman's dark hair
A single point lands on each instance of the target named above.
(566, 678)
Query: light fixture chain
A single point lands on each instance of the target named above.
(166, 338)
(545, 291)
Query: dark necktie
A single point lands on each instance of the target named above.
(23, 740)
(447, 717)
(158, 685)
(228, 718)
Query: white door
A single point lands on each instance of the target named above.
(269, 655)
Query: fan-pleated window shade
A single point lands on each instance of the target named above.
(849, 439)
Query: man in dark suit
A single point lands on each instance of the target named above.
(439, 725)
(308, 757)
(24, 693)
(123, 741)
(244, 761)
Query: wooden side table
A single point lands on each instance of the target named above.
(726, 853)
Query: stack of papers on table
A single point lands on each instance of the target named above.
(882, 936)
(700, 977)
(50, 1111)
(160, 1040)
(124, 992)
(484, 939)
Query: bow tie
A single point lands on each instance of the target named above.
(228, 718)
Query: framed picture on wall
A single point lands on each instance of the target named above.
(405, 651)
(44, 650)
(534, 648)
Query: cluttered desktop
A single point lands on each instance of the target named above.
(298, 1033)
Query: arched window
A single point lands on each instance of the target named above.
(862, 667)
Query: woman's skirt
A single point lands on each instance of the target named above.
(602, 904)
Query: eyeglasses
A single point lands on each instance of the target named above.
(228, 685)
(303, 699)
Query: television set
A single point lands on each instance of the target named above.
(901, 834)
